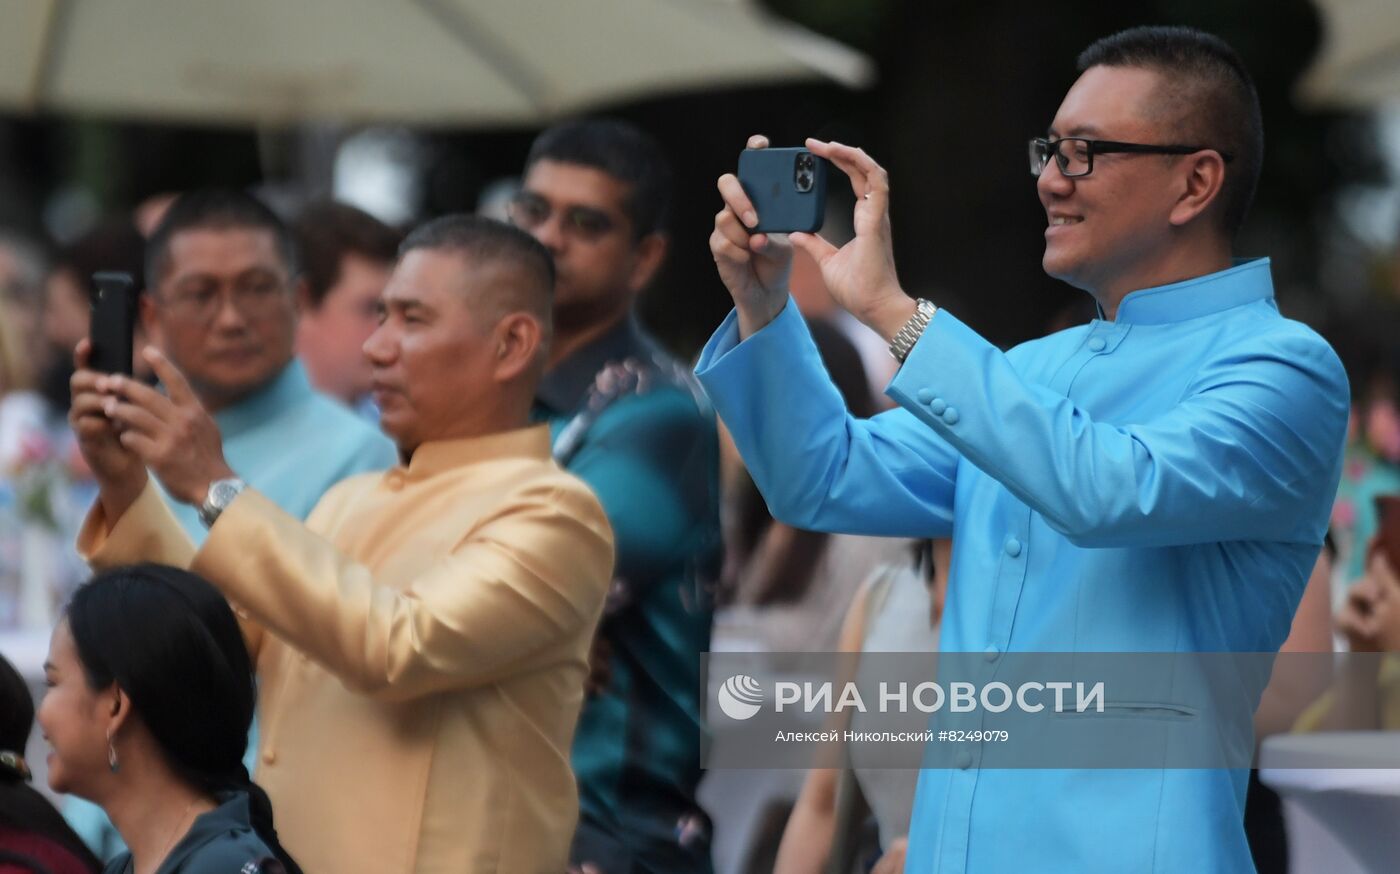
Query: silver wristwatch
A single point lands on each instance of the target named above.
(913, 329)
(221, 494)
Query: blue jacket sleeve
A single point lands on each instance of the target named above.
(820, 468)
(1250, 452)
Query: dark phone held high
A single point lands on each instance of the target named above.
(112, 305)
(787, 188)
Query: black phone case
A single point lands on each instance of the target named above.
(112, 302)
(769, 179)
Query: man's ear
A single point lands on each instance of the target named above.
(649, 255)
(517, 337)
(1201, 186)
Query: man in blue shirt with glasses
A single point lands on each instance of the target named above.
(1158, 480)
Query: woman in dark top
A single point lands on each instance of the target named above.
(33, 837)
(150, 698)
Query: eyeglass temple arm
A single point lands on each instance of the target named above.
(1104, 146)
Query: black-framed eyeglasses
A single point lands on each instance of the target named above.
(528, 211)
(256, 296)
(1075, 155)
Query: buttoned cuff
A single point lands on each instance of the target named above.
(940, 378)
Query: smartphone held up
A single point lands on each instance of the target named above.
(112, 326)
(787, 188)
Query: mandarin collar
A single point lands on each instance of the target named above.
(566, 384)
(286, 389)
(437, 456)
(1247, 281)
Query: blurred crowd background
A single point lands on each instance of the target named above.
(951, 94)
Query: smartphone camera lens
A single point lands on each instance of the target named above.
(803, 172)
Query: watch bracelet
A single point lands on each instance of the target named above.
(910, 332)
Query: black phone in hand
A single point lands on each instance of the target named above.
(112, 304)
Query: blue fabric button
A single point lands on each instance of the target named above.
(1013, 547)
(991, 653)
(938, 405)
(950, 416)
(964, 760)
(1096, 344)
(924, 395)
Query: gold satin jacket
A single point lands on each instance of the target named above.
(421, 644)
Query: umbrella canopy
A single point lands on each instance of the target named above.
(426, 62)
(1359, 65)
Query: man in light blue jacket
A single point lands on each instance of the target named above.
(1158, 480)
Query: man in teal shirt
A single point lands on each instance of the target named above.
(633, 424)
(222, 306)
(1158, 480)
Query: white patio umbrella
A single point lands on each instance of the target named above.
(422, 62)
(1359, 65)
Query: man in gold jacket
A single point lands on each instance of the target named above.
(422, 639)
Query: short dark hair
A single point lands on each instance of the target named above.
(485, 239)
(1206, 94)
(215, 209)
(326, 231)
(170, 641)
(624, 152)
(114, 244)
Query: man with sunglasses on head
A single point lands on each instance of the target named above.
(1158, 480)
(632, 423)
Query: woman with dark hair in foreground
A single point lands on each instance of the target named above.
(32, 834)
(150, 698)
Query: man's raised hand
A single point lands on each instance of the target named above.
(120, 473)
(171, 433)
(861, 274)
(754, 267)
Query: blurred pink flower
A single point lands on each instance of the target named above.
(34, 448)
